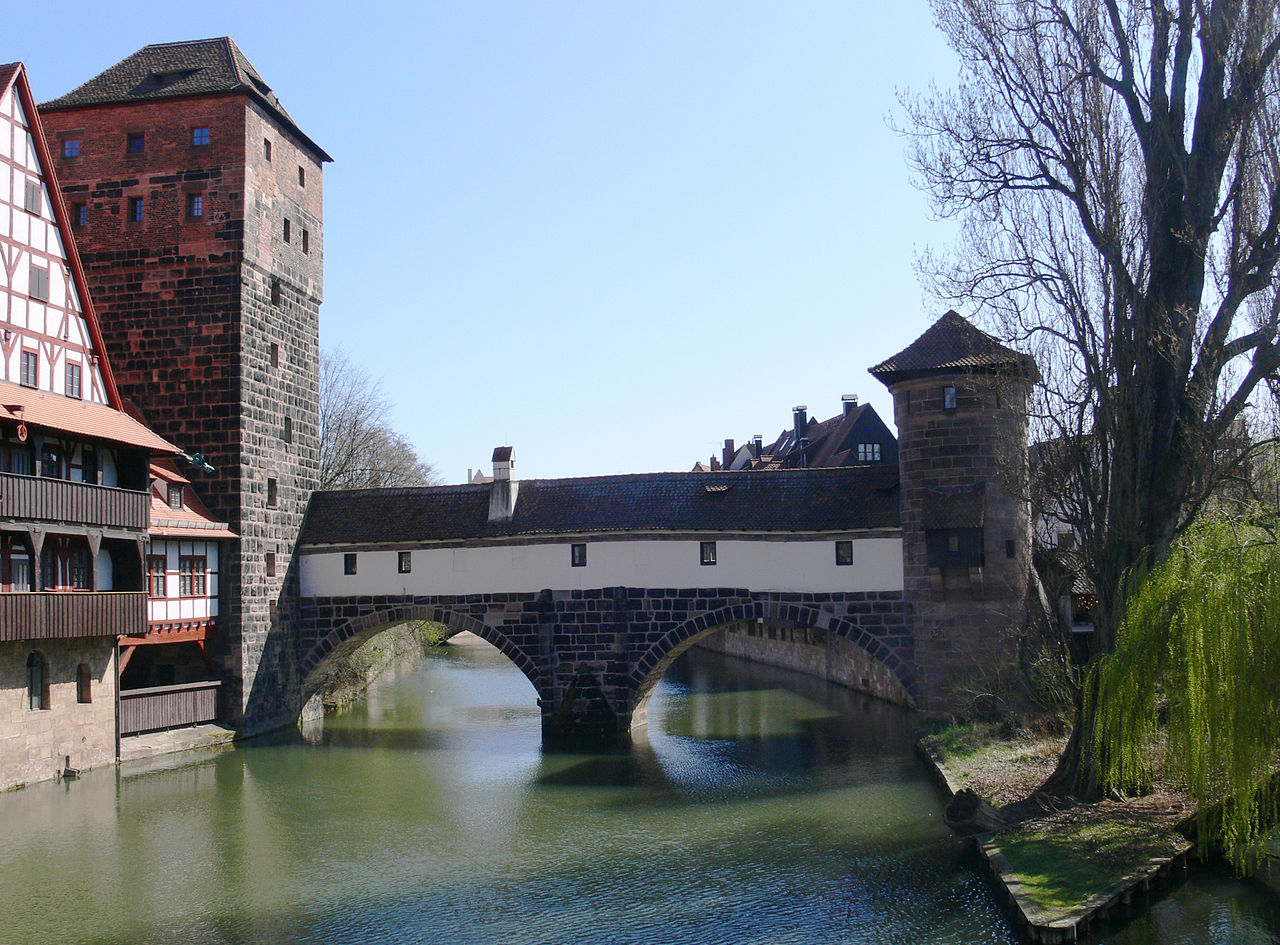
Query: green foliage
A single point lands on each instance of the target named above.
(1192, 686)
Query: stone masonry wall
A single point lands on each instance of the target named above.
(34, 743)
(965, 636)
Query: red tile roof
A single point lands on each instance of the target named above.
(80, 418)
(193, 520)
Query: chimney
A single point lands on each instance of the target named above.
(503, 489)
(801, 416)
(728, 454)
(470, 477)
(757, 446)
(849, 402)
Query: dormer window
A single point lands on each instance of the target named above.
(175, 495)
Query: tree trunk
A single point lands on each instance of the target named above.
(1077, 775)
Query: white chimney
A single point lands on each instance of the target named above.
(503, 489)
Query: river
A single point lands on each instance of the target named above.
(764, 808)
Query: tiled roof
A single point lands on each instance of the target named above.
(175, 70)
(193, 520)
(7, 72)
(952, 345)
(791, 500)
(80, 418)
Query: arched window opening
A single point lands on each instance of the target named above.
(37, 682)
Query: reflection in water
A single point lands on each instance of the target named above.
(763, 808)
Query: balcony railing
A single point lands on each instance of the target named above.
(53, 615)
(78, 503)
(161, 707)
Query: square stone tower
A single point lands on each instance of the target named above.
(960, 405)
(195, 201)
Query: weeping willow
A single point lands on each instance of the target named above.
(1192, 691)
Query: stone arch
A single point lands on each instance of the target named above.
(351, 633)
(651, 665)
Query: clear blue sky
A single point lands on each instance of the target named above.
(610, 234)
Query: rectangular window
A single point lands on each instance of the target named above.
(191, 575)
(30, 369)
(275, 291)
(73, 380)
(20, 573)
(868, 452)
(174, 496)
(33, 202)
(89, 466)
(199, 137)
(135, 142)
(349, 563)
(286, 230)
(50, 462)
(1010, 548)
(195, 205)
(271, 564)
(82, 569)
(405, 563)
(38, 288)
(306, 241)
(84, 684)
(266, 148)
(287, 435)
(275, 354)
(302, 176)
(707, 552)
(948, 398)
(272, 493)
(136, 210)
(578, 555)
(79, 214)
(844, 554)
(70, 147)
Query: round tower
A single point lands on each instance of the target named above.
(960, 405)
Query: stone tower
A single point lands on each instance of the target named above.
(960, 405)
(196, 204)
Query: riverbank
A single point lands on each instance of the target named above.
(1062, 868)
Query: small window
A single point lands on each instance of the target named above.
(135, 142)
(272, 493)
(50, 461)
(302, 176)
(30, 369)
(271, 564)
(306, 241)
(156, 585)
(199, 137)
(578, 555)
(84, 684)
(266, 148)
(275, 291)
(73, 380)
(195, 205)
(287, 435)
(191, 575)
(70, 147)
(707, 551)
(19, 573)
(948, 398)
(89, 465)
(275, 354)
(844, 553)
(349, 563)
(405, 563)
(37, 683)
(136, 210)
(175, 495)
(287, 230)
(79, 214)
(1010, 548)
(33, 202)
(38, 288)
(82, 569)
(953, 543)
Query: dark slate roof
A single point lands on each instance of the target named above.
(176, 70)
(952, 345)
(790, 500)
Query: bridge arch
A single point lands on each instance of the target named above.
(347, 636)
(654, 662)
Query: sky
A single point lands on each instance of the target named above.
(609, 234)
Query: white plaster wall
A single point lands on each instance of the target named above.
(802, 565)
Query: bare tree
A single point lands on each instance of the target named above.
(358, 448)
(1113, 165)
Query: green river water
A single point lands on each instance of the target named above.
(765, 808)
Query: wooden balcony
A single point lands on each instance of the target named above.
(60, 615)
(161, 707)
(33, 498)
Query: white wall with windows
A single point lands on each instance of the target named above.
(182, 580)
(799, 564)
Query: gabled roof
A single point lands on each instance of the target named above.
(952, 345)
(785, 500)
(193, 520)
(176, 70)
